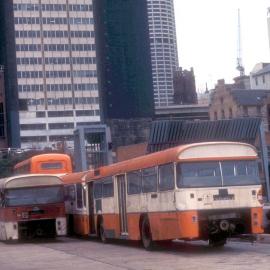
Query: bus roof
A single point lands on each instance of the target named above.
(74, 178)
(30, 180)
(44, 157)
(189, 152)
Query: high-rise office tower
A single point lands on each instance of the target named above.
(48, 50)
(124, 60)
(163, 49)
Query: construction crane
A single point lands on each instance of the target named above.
(239, 66)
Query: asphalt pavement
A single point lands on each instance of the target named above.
(79, 254)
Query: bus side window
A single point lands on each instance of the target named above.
(84, 196)
(149, 183)
(69, 193)
(79, 196)
(134, 180)
(107, 188)
(2, 199)
(97, 190)
(166, 177)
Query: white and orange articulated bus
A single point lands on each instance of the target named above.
(205, 191)
(31, 206)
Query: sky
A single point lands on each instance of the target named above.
(207, 34)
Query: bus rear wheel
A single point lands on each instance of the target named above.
(146, 234)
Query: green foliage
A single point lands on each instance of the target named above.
(6, 166)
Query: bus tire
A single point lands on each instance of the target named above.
(102, 234)
(146, 235)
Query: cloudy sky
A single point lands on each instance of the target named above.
(207, 37)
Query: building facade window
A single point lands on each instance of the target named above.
(230, 113)
(245, 111)
(221, 100)
(222, 114)
(259, 110)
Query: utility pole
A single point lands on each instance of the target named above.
(239, 66)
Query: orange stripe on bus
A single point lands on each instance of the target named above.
(256, 220)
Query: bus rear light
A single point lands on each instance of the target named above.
(260, 196)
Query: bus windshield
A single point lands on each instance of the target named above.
(35, 195)
(217, 173)
(51, 165)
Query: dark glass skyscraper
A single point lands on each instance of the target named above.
(124, 59)
(8, 61)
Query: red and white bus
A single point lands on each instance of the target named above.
(30, 206)
(52, 163)
(208, 191)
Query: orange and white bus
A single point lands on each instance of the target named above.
(208, 191)
(30, 206)
(77, 212)
(52, 163)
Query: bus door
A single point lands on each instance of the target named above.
(91, 208)
(122, 205)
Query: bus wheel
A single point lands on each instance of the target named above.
(102, 233)
(146, 235)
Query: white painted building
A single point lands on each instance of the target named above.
(260, 76)
(163, 43)
(56, 69)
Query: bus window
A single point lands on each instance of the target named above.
(237, 173)
(166, 177)
(69, 193)
(149, 183)
(134, 180)
(51, 166)
(97, 190)
(34, 195)
(84, 196)
(198, 174)
(107, 189)
(79, 196)
(2, 199)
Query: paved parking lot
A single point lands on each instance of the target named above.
(78, 254)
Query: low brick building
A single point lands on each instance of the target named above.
(227, 102)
